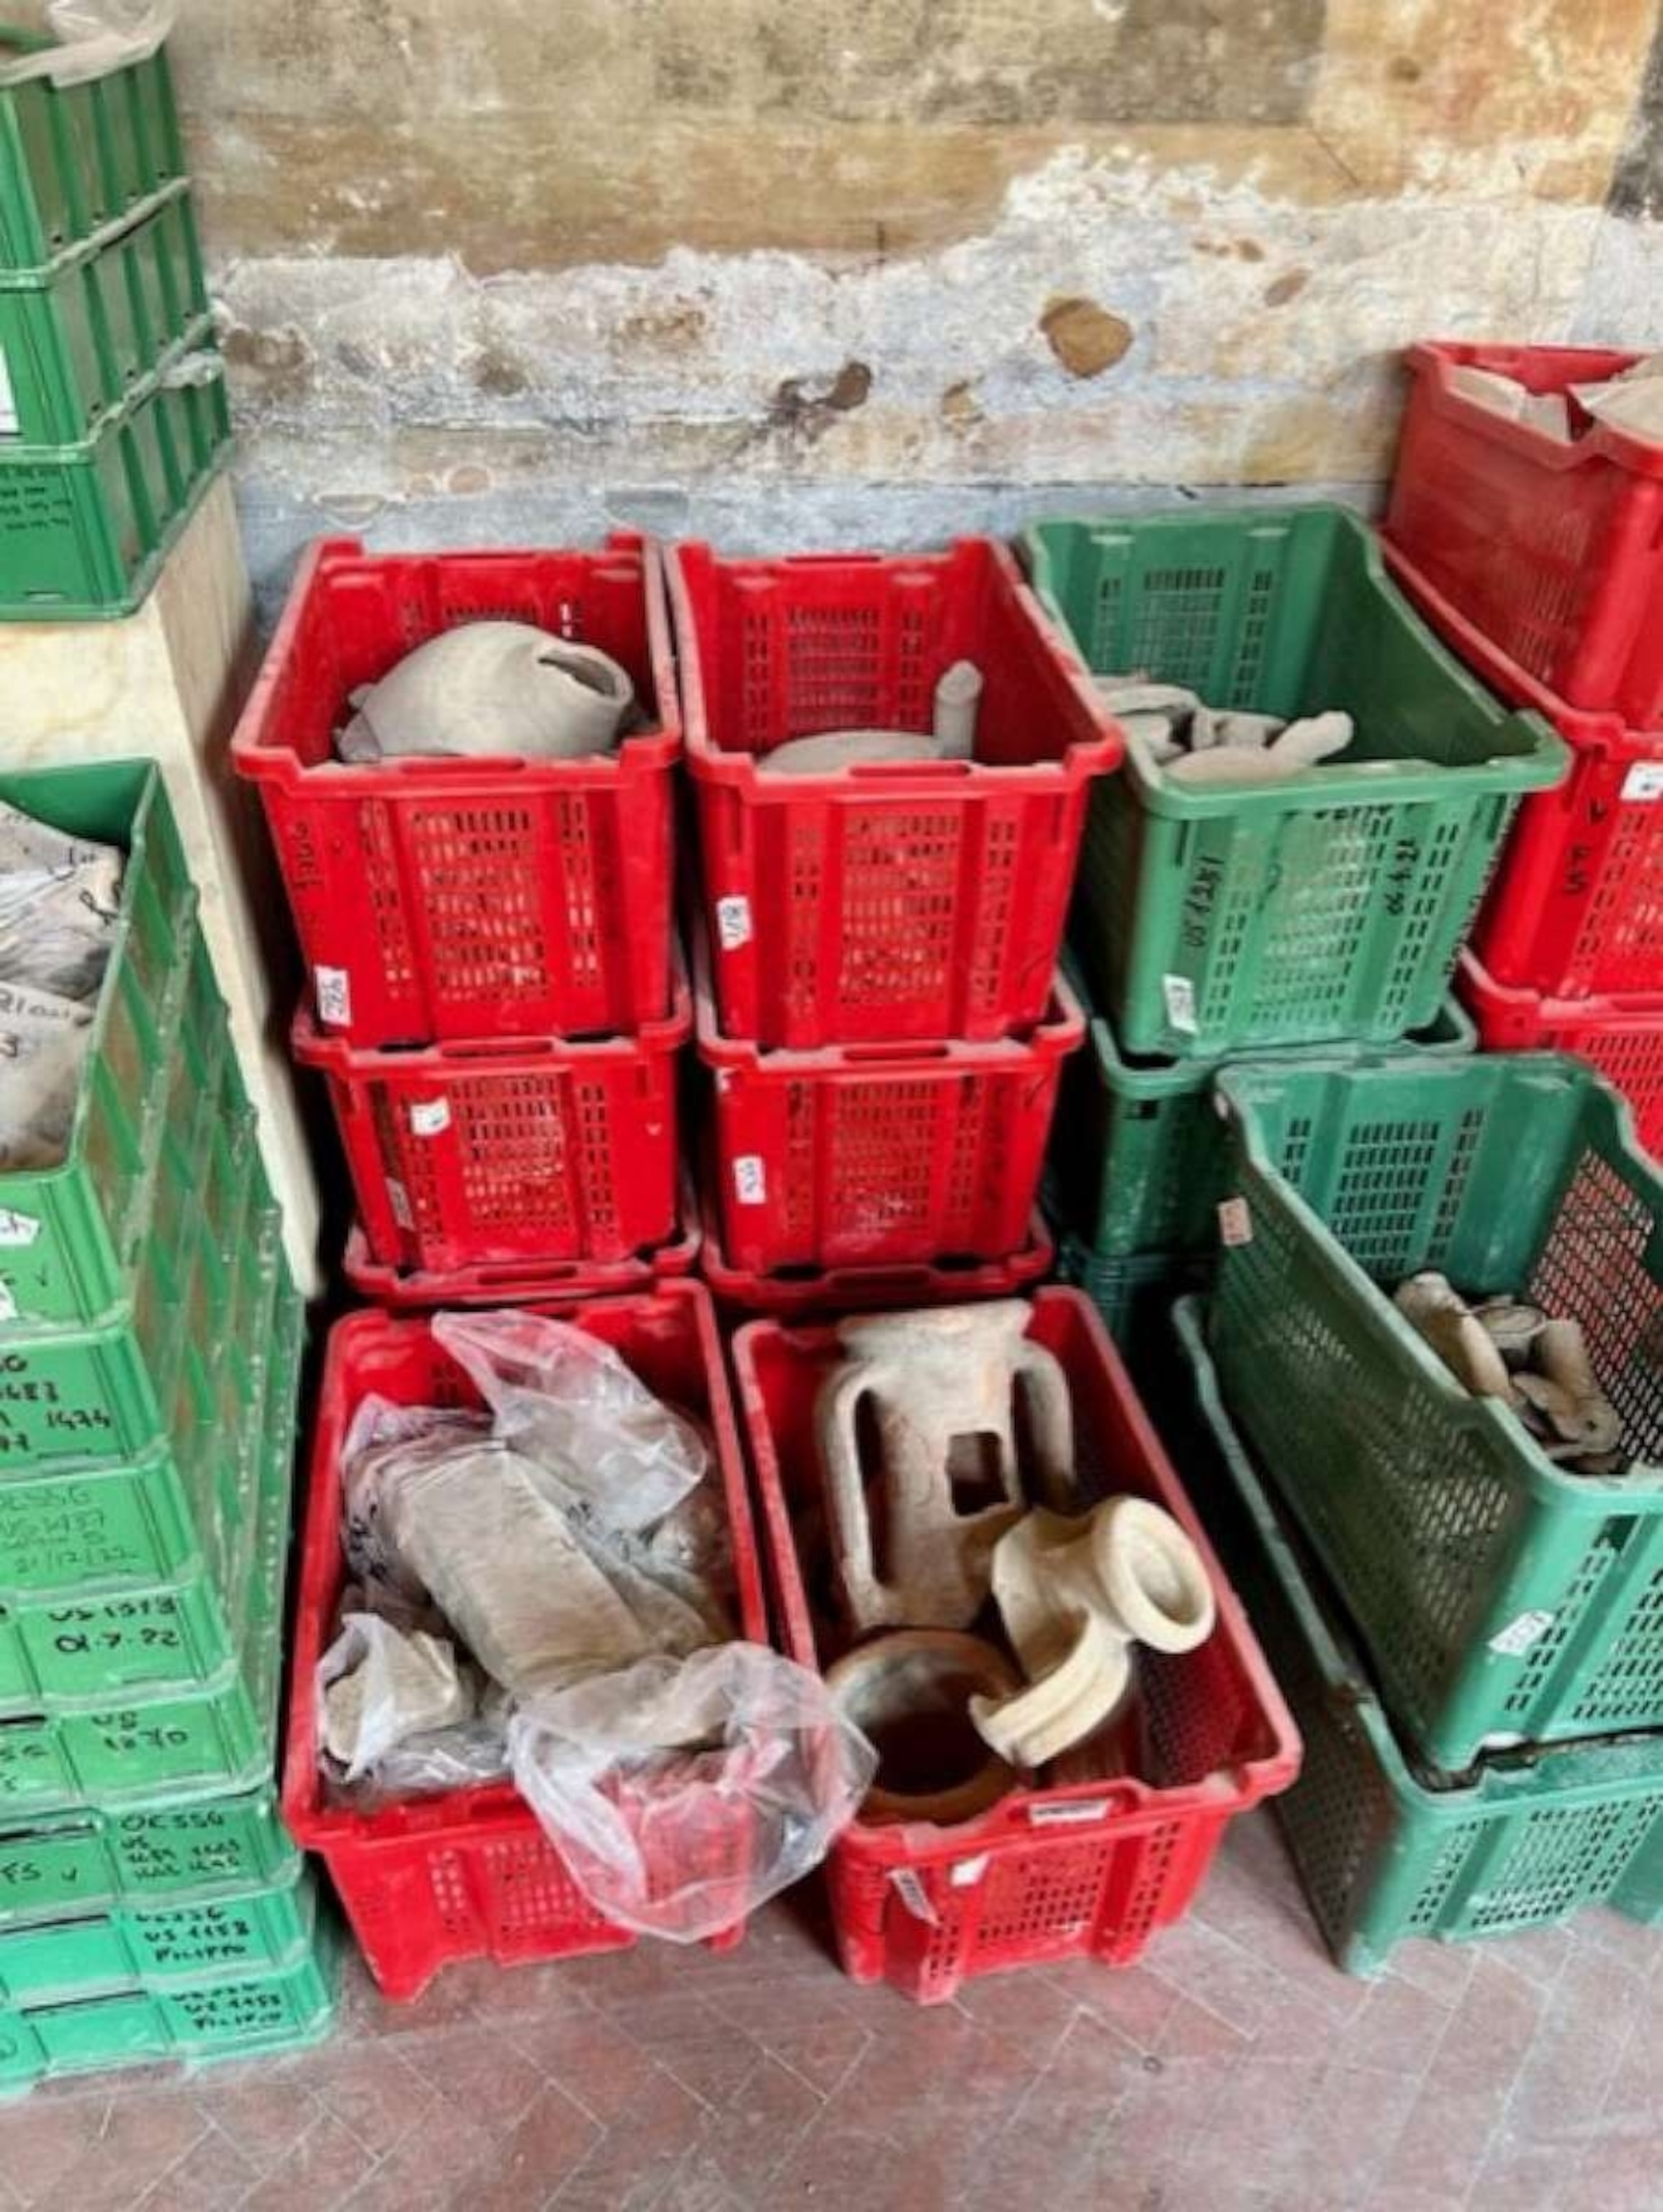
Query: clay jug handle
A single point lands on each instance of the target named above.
(1051, 1426)
(845, 1493)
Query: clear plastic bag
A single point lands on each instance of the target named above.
(683, 1793)
(60, 900)
(567, 1400)
(379, 1685)
(95, 36)
(440, 1509)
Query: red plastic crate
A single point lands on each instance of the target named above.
(469, 1873)
(885, 903)
(1089, 1870)
(533, 1283)
(1554, 551)
(469, 898)
(1621, 1038)
(1576, 905)
(874, 1155)
(798, 1291)
(491, 1154)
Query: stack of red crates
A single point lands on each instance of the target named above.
(1542, 563)
(878, 1004)
(494, 995)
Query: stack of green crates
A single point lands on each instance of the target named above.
(112, 409)
(150, 1341)
(1212, 923)
(1469, 1636)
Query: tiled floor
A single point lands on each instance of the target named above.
(1235, 2069)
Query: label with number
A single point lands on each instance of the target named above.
(1178, 992)
(750, 1180)
(1235, 1223)
(913, 1895)
(1644, 781)
(430, 1117)
(733, 922)
(334, 991)
(1075, 1813)
(1516, 1638)
(17, 1230)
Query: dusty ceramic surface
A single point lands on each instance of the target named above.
(941, 1388)
(909, 1694)
(1075, 1595)
(492, 688)
(835, 749)
(957, 701)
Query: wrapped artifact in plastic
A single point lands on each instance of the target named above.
(43, 1044)
(683, 1793)
(380, 1684)
(60, 899)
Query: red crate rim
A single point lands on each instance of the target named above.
(313, 1046)
(464, 1814)
(523, 1282)
(897, 1284)
(1060, 1029)
(1433, 359)
(1603, 1009)
(261, 758)
(1100, 746)
(1589, 729)
(1131, 1804)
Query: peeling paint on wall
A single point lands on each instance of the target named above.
(884, 261)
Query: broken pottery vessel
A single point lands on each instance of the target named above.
(1537, 1365)
(940, 1388)
(834, 749)
(909, 1694)
(492, 688)
(957, 700)
(1076, 1595)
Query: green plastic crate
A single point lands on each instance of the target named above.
(68, 1234)
(1331, 906)
(1500, 1599)
(64, 1653)
(79, 336)
(1137, 1147)
(258, 2017)
(1134, 1294)
(111, 1526)
(212, 1745)
(84, 158)
(1384, 1850)
(265, 1931)
(84, 527)
(69, 1864)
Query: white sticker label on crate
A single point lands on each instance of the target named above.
(1516, 1638)
(750, 1180)
(10, 422)
(17, 1230)
(1235, 1223)
(913, 1895)
(1084, 1814)
(965, 1873)
(398, 1199)
(334, 991)
(430, 1117)
(1179, 995)
(8, 1303)
(1644, 780)
(733, 922)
